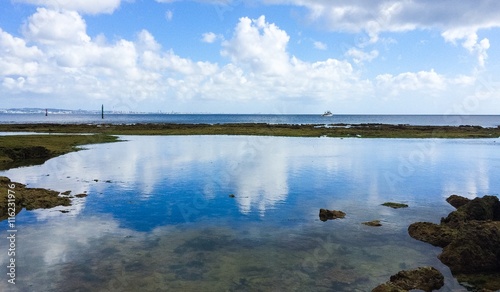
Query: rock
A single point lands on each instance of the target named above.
(437, 235)
(27, 198)
(469, 236)
(325, 214)
(423, 278)
(457, 201)
(81, 195)
(373, 223)
(475, 248)
(485, 208)
(232, 196)
(394, 205)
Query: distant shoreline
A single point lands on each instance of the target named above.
(274, 119)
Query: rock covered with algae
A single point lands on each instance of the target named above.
(28, 198)
(469, 236)
(395, 205)
(325, 214)
(424, 278)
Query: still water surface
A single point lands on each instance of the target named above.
(158, 215)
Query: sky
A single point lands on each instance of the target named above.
(262, 56)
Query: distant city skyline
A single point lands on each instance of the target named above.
(267, 56)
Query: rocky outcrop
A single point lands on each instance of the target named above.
(325, 214)
(485, 208)
(28, 198)
(474, 249)
(457, 201)
(437, 235)
(469, 236)
(423, 278)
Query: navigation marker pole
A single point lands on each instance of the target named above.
(102, 111)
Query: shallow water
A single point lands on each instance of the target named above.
(158, 215)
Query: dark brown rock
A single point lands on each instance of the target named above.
(325, 214)
(470, 237)
(475, 248)
(457, 201)
(437, 235)
(423, 278)
(485, 208)
(373, 223)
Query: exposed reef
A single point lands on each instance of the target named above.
(24, 150)
(325, 214)
(424, 278)
(470, 238)
(27, 198)
(262, 129)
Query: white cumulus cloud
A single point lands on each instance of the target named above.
(259, 44)
(456, 20)
(51, 27)
(82, 6)
(55, 57)
(209, 37)
(470, 42)
(320, 46)
(359, 56)
(424, 81)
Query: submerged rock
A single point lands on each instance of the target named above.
(469, 236)
(395, 205)
(373, 223)
(423, 278)
(325, 214)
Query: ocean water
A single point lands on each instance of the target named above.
(159, 215)
(453, 120)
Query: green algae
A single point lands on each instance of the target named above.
(24, 150)
(395, 205)
(27, 198)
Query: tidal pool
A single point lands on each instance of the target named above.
(159, 215)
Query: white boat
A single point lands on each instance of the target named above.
(327, 114)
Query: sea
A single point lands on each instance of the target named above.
(241, 213)
(435, 120)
